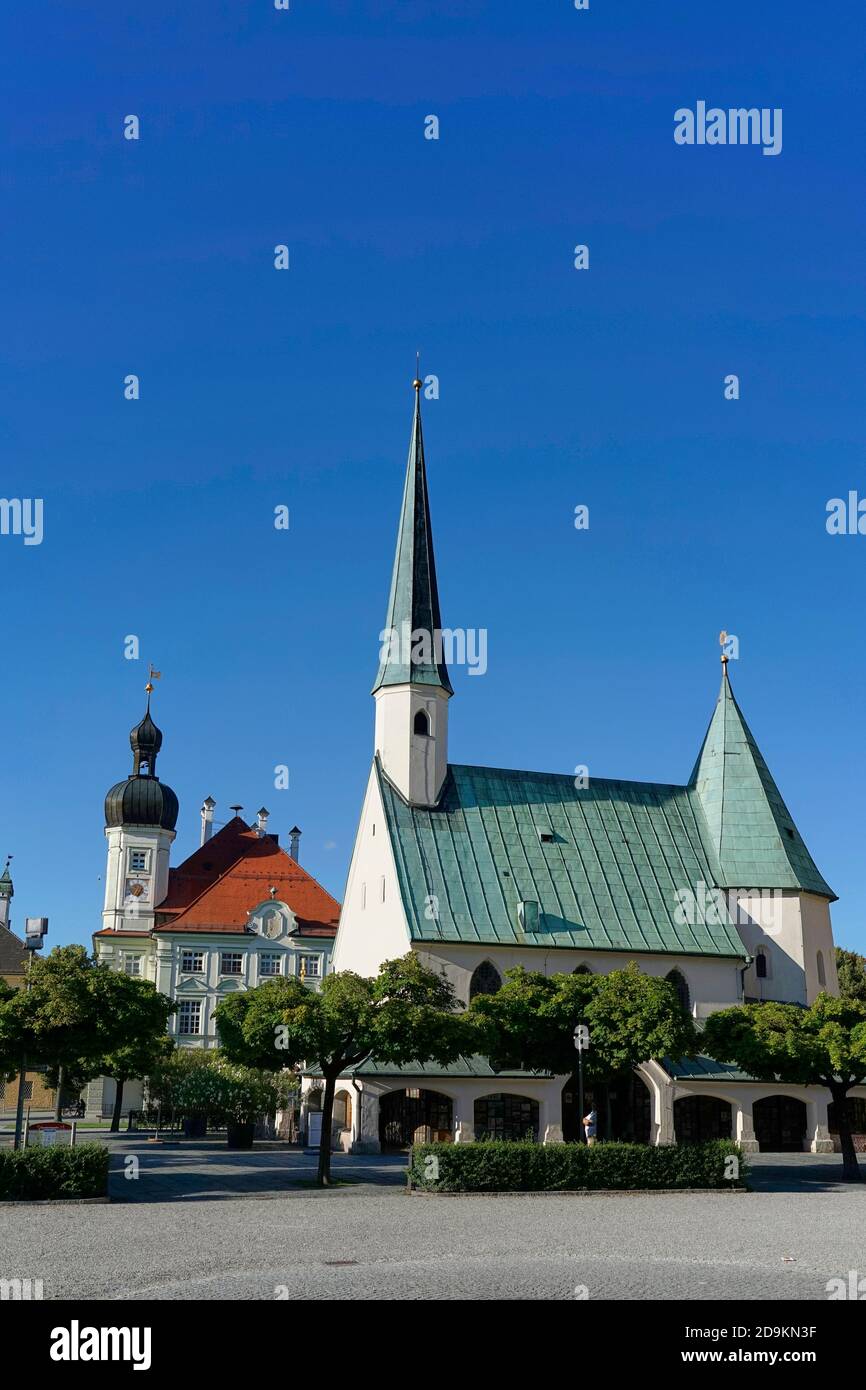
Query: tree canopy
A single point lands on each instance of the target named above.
(406, 1013)
(822, 1045)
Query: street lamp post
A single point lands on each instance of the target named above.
(35, 931)
(581, 1042)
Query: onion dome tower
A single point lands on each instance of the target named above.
(140, 818)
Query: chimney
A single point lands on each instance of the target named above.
(294, 843)
(207, 810)
(262, 822)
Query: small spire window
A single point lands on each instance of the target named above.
(421, 723)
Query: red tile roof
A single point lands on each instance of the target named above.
(215, 889)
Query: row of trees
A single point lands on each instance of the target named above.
(409, 1013)
(80, 1019)
(83, 1019)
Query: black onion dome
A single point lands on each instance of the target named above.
(142, 801)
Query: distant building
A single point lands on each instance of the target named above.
(38, 1095)
(236, 912)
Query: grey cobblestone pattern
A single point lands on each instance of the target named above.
(183, 1235)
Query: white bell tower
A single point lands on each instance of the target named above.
(412, 687)
(140, 818)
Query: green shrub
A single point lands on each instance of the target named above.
(34, 1174)
(496, 1166)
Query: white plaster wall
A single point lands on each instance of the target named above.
(791, 928)
(415, 763)
(121, 839)
(371, 930)
(713, 984)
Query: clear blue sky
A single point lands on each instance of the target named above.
(558, 387)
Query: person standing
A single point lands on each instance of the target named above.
(590, 1126)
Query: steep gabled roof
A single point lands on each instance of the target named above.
(607, 880)
(216, 887)
(413, 605)
(13, 953)
(752, 832)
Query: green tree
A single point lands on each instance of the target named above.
(529, 1023)
(852, 975)
(83, 1017)
(132, 1020)
(823, 1045)
(407, 1013)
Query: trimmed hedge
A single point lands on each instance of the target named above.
(496, 1166)
(35, 1174)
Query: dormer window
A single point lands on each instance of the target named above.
(421, 723)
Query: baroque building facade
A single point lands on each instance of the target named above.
(237, 911)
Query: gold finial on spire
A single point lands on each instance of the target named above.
(417, 383)
(723, 642)
(151, 677)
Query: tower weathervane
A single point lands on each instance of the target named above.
(723, 642)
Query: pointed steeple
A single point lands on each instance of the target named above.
(751, 829)
(413, 607)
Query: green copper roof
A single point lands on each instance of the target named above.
(751, 829)
(607, 879)
(413, 607)
(465, 1066)
(703, 1069)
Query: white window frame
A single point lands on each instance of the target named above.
(239, 956)
(136, 957)
(196, 1008)
(189, 969)
(275, 957)
(138, 868)
(317, 961)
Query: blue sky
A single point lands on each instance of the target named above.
(557, 388)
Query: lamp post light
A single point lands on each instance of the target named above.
(581, 1042)
(35, 931)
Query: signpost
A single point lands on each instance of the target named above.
(581, 1042)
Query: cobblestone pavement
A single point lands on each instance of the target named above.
(181, 1234)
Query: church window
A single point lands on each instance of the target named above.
(677, 979)
(486, 979)
(761, 965)
(822, 974)
(581, 969)
(421, 724)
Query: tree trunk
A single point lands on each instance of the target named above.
(119, 1082)
(58, 1100)
(323, 1178)
(850, 1166)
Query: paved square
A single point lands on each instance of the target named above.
(203, 1223)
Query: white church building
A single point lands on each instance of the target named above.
(479, 869)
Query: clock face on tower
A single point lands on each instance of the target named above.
(137, 890)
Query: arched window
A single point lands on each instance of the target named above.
(822, 974)
(761, 963)
(678, 980)
(421, 723)
(486, 979)
(581, 969)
